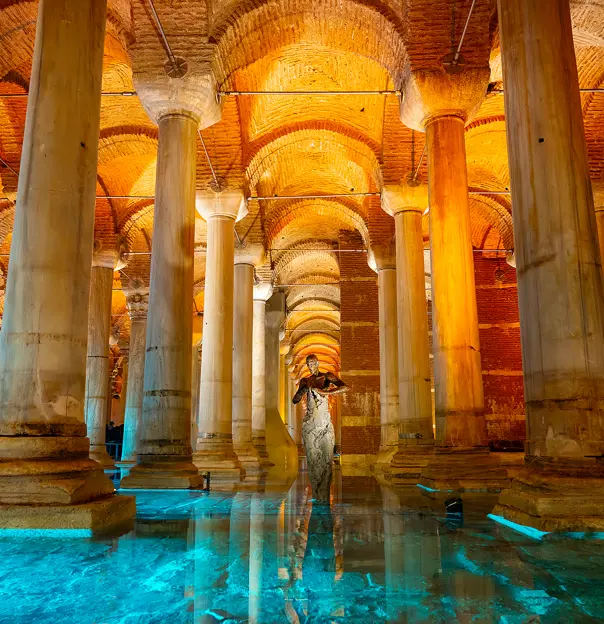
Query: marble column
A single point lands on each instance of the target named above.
(47, 479)
(243, 313)
(262, 293)
(284, 347)
(440, 104)
(214, 450)
(382, 260)
(406, 203)
(560, 288)
(137, 302)
(165, 457)
(97, 401)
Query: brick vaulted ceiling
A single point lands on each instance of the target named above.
(291, 145)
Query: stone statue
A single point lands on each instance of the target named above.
(317, 430)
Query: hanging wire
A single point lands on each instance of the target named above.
(205, 149)
(8, 166)
(463, 34)
(421, 160)
(169, 52)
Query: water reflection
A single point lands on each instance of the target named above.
(373, 555)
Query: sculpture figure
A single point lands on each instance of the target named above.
(317, 429)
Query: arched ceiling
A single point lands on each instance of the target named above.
(292, 145)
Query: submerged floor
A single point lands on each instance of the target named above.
(376, 556)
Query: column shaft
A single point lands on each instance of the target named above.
(214, 450)
(97, 363)
(243, 312)
(134, 394)
(389, 402)
(43, 444)
(259, 378)
(457, 369)
(165, 452)
(560, 289)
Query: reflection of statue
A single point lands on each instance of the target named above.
(317, 429)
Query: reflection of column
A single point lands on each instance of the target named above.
(440, 103)
(406, 204)
(137, 301)
(242, 369)
(43, 443)
(195, 382)
(262, 293)
(256, 558)
(214, 450)
(165, 451)
(96, 406)
(559, 274)
(384, 263)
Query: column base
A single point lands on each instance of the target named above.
(99, 453)
(250, 461)
(219, 459)
(383, 459)
(412, 456)
(101, 516)
(459, 469)
(259, 443)
(555, 496)
(163, 472)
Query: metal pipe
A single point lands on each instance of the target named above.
(277, 197)
(322, 284)
(203, 144)
(501, 91)
(125, 196)
(8, 166)
(370, 92)
(326, 249)
(489, 193)
(421, 159)
(103, 94)
(463, 34)
(163, 35)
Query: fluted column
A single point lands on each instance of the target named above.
(214, 450)
(560, 290)
(242, 369)
(137, 302)
(165, 458)
(47, 479)
(97, 399)
(262, 293)
(440, 103)
(382, 260)
(406, 203)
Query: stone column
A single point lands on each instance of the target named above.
(165, 450)
(560, 289)
(97, 401)
(214, 450)
(242, 369)
(406, 203)
(382, 260)
(137, 302)
(284, 347)
(262, 293)
(47, 479)
(441, 103)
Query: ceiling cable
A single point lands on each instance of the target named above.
(8, 166)
(421, 160)
(377, 92)
(205, 149)
(330, 196)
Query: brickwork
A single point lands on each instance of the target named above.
(497, 300)
(360, 357)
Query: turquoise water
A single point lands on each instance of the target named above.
(374, 556)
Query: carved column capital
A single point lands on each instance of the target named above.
(137, 302)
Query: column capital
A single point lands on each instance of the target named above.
(284, 344)
(137, 303)
(405, 197)
(250, 253)
(108, 257)
(263, 291)
(432, 93)
(227, 204)
(381, 256)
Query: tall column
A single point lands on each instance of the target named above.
(441, 103)
(242, 369)
(214, 450)
(165, 454)
(262, 293)
(137, 302)
(47, 479)
(97, 401)
(381, 260)
(560, 289)
(284, 347)
(406, 203)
